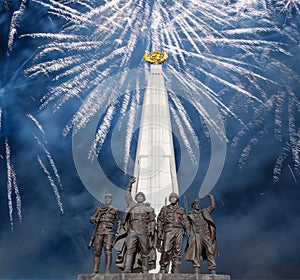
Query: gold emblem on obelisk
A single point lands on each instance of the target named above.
(156, 57)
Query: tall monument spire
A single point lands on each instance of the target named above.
(155, 160)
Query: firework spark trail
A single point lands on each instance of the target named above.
(38, 125)
(183, 135)
(181, 21)
(102, 133)
(185, 118)
(76, 69)
(17, 193)
(52, 163)
(84, 3)
(183, 18)
(64, 11)
(97, 99)
(125, 21)
(51, 36)
(52, 183)
(12, 183)
(197, 101)
(125, 102)
(269, 46)
(74, 87)
(288, 6)
(54, 66)
(279, 163)
(169, 35)
(294, 135)
(246, 151)
(9, 184)
(14, 24)
(129, 84)
(156, 27)
(293, 175)
(195, 86)
(191, 88)
(292, 144)
(130, 127)
(42, 145)
(208, 119)
(232, 65)
(297, 151)
(65, 45)
(256, 121)
(279, 101)
(244, 5)
(132, 42)
(89, 108)
(50, 159)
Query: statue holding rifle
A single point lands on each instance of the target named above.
(103, 219)
(136, 241)
(202, 239)
(171, 225)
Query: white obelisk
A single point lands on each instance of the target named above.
(155, 168)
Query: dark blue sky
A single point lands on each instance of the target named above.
(257, 215)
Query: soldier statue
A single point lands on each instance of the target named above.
(103, 219)
(202, 239)
(171, 225)
(135, 244)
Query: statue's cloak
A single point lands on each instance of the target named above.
(191, 250)
(120, 246)
(121, 242)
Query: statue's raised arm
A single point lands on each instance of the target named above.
(128, 195)
(212, 205)
(137, 252)
(202, 243)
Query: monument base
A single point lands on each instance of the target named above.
(152, 276)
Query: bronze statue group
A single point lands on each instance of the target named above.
(139, 235)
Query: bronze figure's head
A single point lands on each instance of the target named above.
(196, 204)
(140, 197)
(173, 198)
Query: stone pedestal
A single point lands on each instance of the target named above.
(152, 276)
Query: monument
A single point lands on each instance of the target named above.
(155, 169)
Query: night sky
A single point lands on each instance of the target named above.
(258, 212)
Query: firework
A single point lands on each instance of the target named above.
(219, 52)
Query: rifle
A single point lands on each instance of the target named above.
(159, 241)
(185, 204)
(91, 243)
(165, 212)
(187, 228)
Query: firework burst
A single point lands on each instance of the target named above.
(11, 85)
(223, 49)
